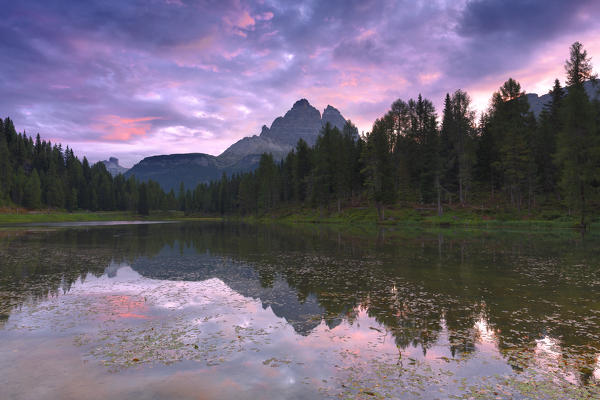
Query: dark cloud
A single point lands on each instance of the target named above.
(183, 75)
(528, 20)
(360, 50)
(501, 35)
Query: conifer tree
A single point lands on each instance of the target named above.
(511, 123)
(379, 168)
(301, 170)
(5, 167)
(143, 207)
(545, 140)
(32, 194)
(578, 143)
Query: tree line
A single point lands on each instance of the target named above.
(37, 173)
(507, 156)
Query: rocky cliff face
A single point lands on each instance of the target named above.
(302, 121)
(537, 103)
(112, 165)
(334, 117)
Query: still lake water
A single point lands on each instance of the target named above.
(213, 310)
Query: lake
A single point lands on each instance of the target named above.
(213, 310)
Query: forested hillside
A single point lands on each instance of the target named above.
(507, 158)
(36, 173)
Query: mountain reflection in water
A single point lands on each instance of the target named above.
(503, 300)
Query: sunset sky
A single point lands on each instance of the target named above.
(137, 78)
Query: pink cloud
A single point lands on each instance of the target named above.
(239, 22)
(245, 21)
(427, 78)
(123, 129)
(265, 16)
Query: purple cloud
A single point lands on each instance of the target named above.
(139, 78)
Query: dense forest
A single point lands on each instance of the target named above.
(507, 157)
(36, 173)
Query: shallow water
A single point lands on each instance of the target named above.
(221, 310)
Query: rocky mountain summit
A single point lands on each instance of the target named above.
(537, 103)
(302, 121)
(112, 165)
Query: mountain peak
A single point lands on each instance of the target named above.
(334, 117)
(303, 121)
(537, 102)
(302, 103)
(112, 165)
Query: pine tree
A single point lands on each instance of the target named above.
(18, 187)
(379, 169)
(301, 170)
(143, 207)
(511, 124)
(447, 149)
(427, 145)
(32, 194)
(578, 142)
(579, 66)
(545, 140)
(267, 182)
(5, 166)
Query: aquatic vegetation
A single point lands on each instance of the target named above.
(407, 316)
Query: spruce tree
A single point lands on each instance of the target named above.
(545, 140)
(5, 167)
(32, 194)
(143, 207)
(301, 170)
(379, 168)
(511, 124)
(578, 143)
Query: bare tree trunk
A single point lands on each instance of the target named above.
(439, 197)
(582, 194)
(379, 207)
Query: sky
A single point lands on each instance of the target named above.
(138, 78)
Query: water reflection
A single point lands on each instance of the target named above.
(395, 297)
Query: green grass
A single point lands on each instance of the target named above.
(361, 216)
(410, 216)
(22, 217)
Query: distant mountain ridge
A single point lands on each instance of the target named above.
(537, 103)
(112, 166)
(302, 121)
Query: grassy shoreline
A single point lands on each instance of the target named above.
(467, 218)
(26, 217)
(359, 216)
